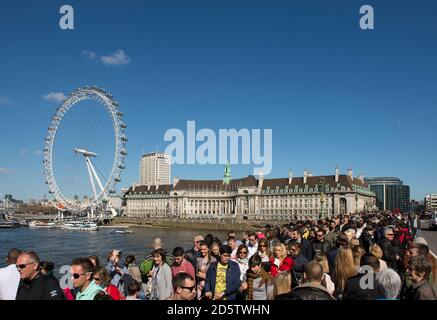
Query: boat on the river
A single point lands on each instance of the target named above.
(5, 224)
(122, 232)
(41, 225)
(80, 226)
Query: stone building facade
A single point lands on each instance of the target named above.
(249, 198)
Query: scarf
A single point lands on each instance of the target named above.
(251, 276)
(155, 291)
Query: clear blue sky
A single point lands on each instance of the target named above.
(333, 95)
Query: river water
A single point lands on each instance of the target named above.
(62, 246)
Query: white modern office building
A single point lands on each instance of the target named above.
(155, 169)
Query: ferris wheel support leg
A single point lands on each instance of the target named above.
(91, 177)
(95, 174)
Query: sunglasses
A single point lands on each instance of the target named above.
(189, 288)
(262, 245)
(243, 252)
(251, 240)
(23, 266)
(78, 275)
(96, 279)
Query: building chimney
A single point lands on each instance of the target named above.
(337, 174)
(135, 185)
(361, 177)
(260, 179)
(290, 177)
(350, 173)
(175, 181)
(305, 176)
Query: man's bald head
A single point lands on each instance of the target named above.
(13, 255)
(196, 242)
(157, 243)
(314, 272)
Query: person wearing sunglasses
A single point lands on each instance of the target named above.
(253, 244)
(33, 284)
(102, 279)
(81, 272)
(319, 244)
(243, 260)
(184, 287)
(263, 250)
(389, 248)
(9, 276)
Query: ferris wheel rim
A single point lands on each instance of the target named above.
(105, 99)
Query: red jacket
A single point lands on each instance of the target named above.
(287, 264)
(68, 295)
(114, 293)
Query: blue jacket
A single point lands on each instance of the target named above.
(121, 282)
(232, 279)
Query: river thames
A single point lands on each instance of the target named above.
(62, 246)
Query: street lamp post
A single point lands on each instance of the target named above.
(356, 202)
(322, 201)
(322, 198)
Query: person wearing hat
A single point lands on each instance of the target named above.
(194, 253)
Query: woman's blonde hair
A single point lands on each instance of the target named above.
(282, 283)
(283, 250)
(344, 267)
(376, 251)
(103, 275)
(354, 242)
(357, 253)
(351, 233)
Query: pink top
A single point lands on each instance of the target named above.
(185, 266)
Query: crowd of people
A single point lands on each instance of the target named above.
(348, 257)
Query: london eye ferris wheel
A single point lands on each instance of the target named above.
(61, 178)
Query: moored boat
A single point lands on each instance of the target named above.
(41, 225)
(9, 224)
(80, 226)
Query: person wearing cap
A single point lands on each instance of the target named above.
(194, 253)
